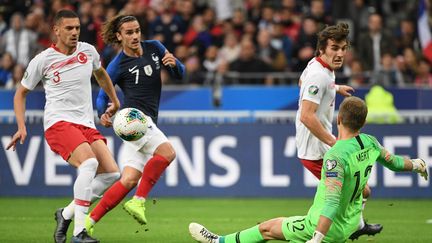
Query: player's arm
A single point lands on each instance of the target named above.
(175, 68)
(344, 90)
(399, 163)
(309, 118)
(334, 179)
(106, 84)
(19, 108)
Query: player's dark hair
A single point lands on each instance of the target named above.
(64, 13)
(352, 113)
(337, 33)
(112, 26)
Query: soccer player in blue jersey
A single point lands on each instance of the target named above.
(137, 71)
(337, 206)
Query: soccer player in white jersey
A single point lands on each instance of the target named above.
(65, 70)
(317, 104)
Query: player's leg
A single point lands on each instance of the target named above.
(113, 196)
(107, 172)
(162, 154)
(365, 228)
(78, 153)
(84, 159)
(268, 230)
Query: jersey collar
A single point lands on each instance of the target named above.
(323, 63)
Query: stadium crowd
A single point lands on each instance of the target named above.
(235, 41)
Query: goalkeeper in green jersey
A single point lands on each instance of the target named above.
(337, 206)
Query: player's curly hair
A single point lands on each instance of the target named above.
(112, 26)
(352, 113)
(336, 33)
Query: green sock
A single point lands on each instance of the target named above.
(248, 235)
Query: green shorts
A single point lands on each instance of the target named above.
(295, 229)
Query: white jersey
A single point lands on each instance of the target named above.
(318, 86)
(66, 79)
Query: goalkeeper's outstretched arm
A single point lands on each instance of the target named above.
(399, 163)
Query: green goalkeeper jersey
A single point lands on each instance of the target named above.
(345, 172)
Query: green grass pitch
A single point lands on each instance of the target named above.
(32, 219)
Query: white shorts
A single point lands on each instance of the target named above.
(136, 153)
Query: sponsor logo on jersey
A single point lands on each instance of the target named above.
(330, 164)
(313, 89)
(148, 70)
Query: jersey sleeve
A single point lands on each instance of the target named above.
(34, 73)
(102, 98)
(314, 88)
(96, 63)
(385, 158)
(176, 72)
(333, 176)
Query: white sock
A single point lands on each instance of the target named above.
(98, 185)
(362, 223)
(83, 192)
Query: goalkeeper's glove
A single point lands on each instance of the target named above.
(421, 167)
(317, 237)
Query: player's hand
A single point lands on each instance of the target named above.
(316, 238)
(106, 120)
(169, 59)
(112, 108)
(421, 167)
(345, 90)
(20, 136)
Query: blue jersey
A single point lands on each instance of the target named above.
(140, 79)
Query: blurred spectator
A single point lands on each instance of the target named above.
(210, 64)
(253, 10)
(373, 43)
(3, 25)
(291, 23)
(20, 42)
(167, 28)
(357, 76)
(17, 75)
(270, 55)
(267, 13)
(424, 76)
(388, 75)
(6, 67)
(317, 11)
(281, 42)
(88, 30)
(194, 74)
(306, 44)
(406, 36)
(198, 35)
(230, 49)
(408, 65)
(181, 53)
(248, 63)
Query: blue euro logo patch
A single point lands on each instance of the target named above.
(331, 174)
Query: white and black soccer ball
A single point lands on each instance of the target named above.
(130, 124)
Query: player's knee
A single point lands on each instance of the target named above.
(129, 181)
(110, 178)
(271, 229)
(89, 165)
(366, 191)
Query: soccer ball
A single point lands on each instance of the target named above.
(130, 124)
